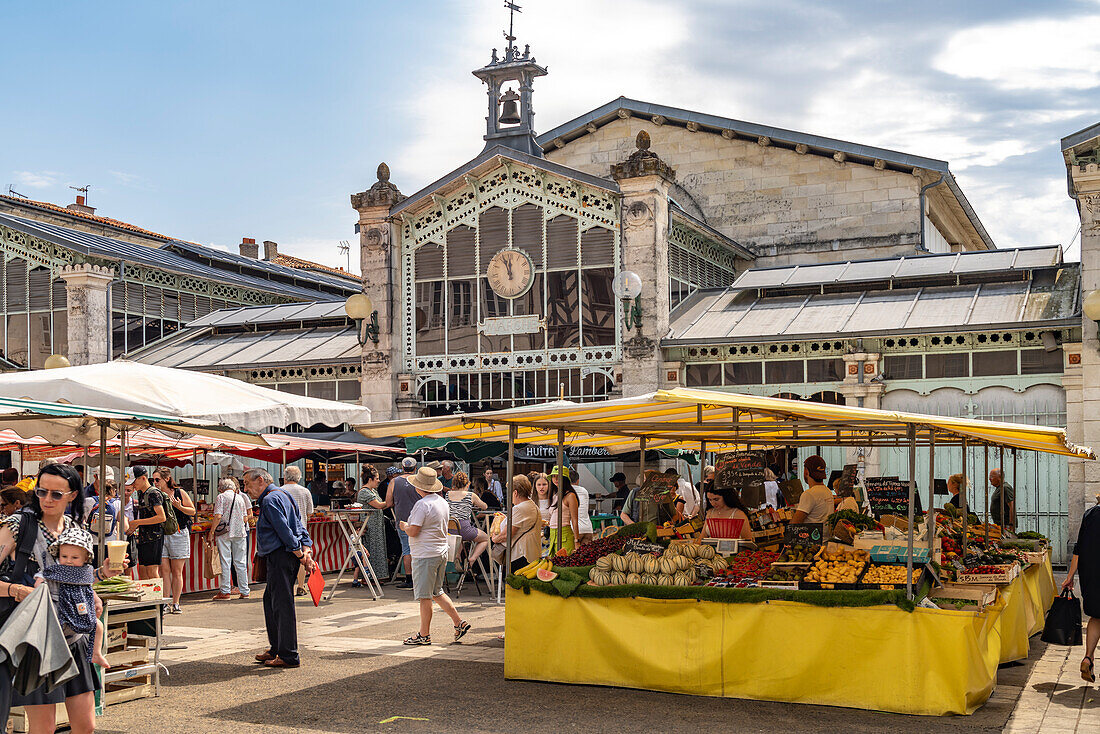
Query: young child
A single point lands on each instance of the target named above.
(72, 577)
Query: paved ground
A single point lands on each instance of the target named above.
(356, 676)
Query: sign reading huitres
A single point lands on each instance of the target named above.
(743, 471)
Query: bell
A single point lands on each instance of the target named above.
(509, 108)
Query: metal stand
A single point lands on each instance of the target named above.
(355, 552)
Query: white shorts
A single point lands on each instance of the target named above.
(178, 545)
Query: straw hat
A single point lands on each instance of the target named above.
(426, 480)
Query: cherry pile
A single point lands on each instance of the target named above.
(587, 554)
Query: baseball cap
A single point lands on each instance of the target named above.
(110, 473)
(133, 472)
(618, 477)
(408, 463)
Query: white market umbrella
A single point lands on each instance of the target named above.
(132, 386)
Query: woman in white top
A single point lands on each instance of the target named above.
(584, 518)
(816, 503)
(526, 524)
(542, 495)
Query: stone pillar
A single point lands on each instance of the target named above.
(380, 263)
(1082, 376)
(854, 389)
(89, 325)
(644, 180)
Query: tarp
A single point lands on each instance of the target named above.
(132, 386)
(683, 417)
(474, 451)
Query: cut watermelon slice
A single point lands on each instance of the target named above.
(545, 574)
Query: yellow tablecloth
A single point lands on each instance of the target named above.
(1013, 624)
(879, 658)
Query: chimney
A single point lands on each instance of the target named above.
(81, 206)
(249, 248)
(271, 250)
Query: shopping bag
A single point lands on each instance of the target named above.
(1063, 625)
(211, 561)
(316, 584)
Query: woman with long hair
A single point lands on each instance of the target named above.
(58, 489)
(375, 534)
(726, 504)
(561, 490)
(177, 546)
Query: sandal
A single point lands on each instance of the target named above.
(1086, 670)
(461, 630)
(418, 639)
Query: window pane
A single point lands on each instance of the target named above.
(903, 367)
(598, 309)
(294, 388)
(527, 232)
(784, 371)
(561, 242)
(988, 364)
(492, 306)
(1040, 361)
(347, 390)
(461, 242)
(530, 303)
(562, 309)
(325, 390)
(939, 366)
(824, 370)
(429, 317)
(744, 373)
(704, 375)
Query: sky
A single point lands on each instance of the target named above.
(212, 121)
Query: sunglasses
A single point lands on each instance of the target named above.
(52, 494)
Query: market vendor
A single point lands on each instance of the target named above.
(1001, 487)
(726, 504)
(816, 503)
(954, 486)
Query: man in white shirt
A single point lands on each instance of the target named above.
(304, 500)
(687, 494)
(427, 531)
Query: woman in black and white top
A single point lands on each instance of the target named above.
(462, 502)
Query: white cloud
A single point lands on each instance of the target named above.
(129, 179)
(36, 179)
(1027, 54)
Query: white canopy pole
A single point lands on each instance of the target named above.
(512, 431)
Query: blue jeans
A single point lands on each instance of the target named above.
(234, 554)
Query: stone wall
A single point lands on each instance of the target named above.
(786, 206)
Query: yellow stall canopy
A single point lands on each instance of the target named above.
(683, 417)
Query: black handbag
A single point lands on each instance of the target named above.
(1063, 625)
(15, 568)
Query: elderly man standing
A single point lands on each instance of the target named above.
(1000, 486)
(284, 544)
(304, 500)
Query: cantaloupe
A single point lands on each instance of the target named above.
(618, 578)
(633, 578)
(668, 565)
(664, 580)
(649, 578)
(652, 565)
(706, 552)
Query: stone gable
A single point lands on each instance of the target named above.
(787, 207)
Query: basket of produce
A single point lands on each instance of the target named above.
(963, 597)
(750, 565)
(1001, 573)
(797, 556)
(783, 576)
(835, 568)
(886, 576)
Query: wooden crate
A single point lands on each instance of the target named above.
(129, 690)
(1008, 572)
(980, 594)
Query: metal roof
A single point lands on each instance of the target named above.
(174, 258)
(1081, 136)
(203, 349)
(735, 314)
(167, 259)
(281, 313)
(710, 232)
(499, 151)
(815, 144)
(899, 268)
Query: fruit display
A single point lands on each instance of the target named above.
(885, 574)
(531, 569)
(859, 520)
(789, 574)
(751, 564)
(587, 554)
(667, 569)
(838, 567)
(798, 554)
(545, 574)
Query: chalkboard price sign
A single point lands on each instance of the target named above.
(805, 533)
(888, 496)
(743, 471)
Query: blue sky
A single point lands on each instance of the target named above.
(212, 121)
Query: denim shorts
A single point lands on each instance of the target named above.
(178, 545)
(403, 536)
(428, 575)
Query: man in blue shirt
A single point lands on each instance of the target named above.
(282, 540)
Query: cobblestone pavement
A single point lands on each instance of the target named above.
(356, 676)
(1055, 700)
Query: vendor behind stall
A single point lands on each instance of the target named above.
(954, 485)
(726, 504)
(816, 503)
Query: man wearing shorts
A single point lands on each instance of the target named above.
(404, 496)
(427, 531)
(148, 522)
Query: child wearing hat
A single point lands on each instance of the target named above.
(72, 578)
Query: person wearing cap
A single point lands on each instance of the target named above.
(108, 498)
(427, 531)
(402, 496)
(816, 503)
(284, 543)
(561, 490)
(148, 522)
(92, 489)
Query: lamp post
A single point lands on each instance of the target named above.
(56, 361)
(360, 310)
(1091, 306)
(627, 287)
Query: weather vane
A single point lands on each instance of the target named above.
(510, 51)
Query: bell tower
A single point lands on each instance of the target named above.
(510, 121)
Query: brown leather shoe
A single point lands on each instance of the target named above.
(220, 597)
(278, 662)
(263, 657)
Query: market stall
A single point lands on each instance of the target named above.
(667, 613)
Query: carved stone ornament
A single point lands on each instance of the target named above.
(639, 347)
(642, 162)
(375, 361)
(377, 239)
(382, 193)
(1090, 203)
(638, 214)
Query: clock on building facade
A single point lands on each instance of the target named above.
(510, 273)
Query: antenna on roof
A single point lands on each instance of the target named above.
(81, 189)
(345, 248)
(13, 192)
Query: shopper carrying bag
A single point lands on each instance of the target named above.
(1063, 625)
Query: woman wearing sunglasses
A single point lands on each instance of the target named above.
(58, 488)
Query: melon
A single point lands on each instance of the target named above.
(618, 563)
(668, 565)
(618, 578)
(718, 563)
(545, 574)
(652, 565)
(681, 579)
(633, 578)
(664, 581)
(649, 578)
(673, 549)
(691, 550)
(603, 563)
(706, 552)
(683, 563)
(636, 563)
(599, 577)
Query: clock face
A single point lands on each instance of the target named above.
(510, 273)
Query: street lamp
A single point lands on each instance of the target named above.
(1091, 306)
(360, 310)
(56, 361)
(627, 286)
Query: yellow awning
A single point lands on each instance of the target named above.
(683, 417)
